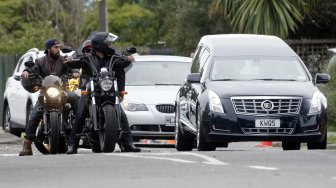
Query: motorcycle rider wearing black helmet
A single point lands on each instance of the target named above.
(51, 63)
(103, 50)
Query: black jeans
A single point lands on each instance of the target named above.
(37, 115)
(82, 113)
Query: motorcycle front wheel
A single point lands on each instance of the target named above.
(41, 143)
(54, 132)
(108, 132)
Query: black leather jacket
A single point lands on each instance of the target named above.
(46, 66)
(120, 64)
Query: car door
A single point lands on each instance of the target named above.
(11, 90)
(185, 93)
(19, 95)
(196, 88)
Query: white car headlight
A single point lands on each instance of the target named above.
(106, 84)
(215, 102)
(52, 92)
(132, 106)
(315, 106)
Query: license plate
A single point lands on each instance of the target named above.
(267, 122)
(170, 121)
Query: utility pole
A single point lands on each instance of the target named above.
(102, 26)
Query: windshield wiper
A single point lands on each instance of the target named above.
(275, 79)
(227, 79)
(163, 84)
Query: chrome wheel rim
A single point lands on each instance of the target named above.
(176, 127)
(7, 118)
(198, 127)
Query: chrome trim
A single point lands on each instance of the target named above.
(267, 130)
(312, 130)
(222, 130)
(252, 105)
(187, 124)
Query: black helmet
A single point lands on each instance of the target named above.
(102, 42)
(30, 83)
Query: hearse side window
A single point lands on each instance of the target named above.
(203, 59)
(196, 61)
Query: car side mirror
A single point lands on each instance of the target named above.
(17, 76)
(322, 78)
(29, 63)
(194, 78)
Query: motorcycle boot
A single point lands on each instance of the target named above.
(126, 143)
(26, 149)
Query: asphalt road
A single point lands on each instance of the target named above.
(239, 165)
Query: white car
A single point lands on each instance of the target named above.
(18, 103)
(152, 82)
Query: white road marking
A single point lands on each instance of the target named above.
(333, 178)
(9, 155)
(159, 156)
(152, 157)
(263, 167)
(209, 160)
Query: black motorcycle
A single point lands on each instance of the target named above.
(53, 130)
(102, 128)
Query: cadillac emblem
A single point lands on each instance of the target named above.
(267, 105)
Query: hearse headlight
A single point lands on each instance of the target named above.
(215, 102)
(315, 104)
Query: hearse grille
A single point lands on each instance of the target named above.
(266, 105)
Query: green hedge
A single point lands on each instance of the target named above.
(330, 92)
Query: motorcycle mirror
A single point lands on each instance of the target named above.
(131, 50)
(29, 63)
(66, 49)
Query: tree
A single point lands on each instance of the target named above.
(25, 24)
(127, 20)
(189, 23)
(319, 23)
(18, 34)
(66, 17)
(272, 17)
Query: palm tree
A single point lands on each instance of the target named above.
(272, 17)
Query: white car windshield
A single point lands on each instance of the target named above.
(258, 68)
(157, 73)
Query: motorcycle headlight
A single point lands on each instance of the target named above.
(132, 106)
(52, 92)
(106, 84)
(215, 102)
(315, 105)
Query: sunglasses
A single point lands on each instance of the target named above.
(87, 50)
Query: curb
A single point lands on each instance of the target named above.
(7, 138)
